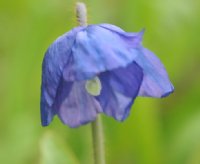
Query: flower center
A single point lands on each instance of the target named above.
(93, 86)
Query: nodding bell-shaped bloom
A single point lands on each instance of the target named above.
(98, 69)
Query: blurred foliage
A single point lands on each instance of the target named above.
(158, 131)
(54, 150)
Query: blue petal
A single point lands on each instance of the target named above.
(127, 80)
(134, 38)
(156, 82)
(77, 107)
(46, 111)
(63, 91)
(119, 89)
(112, 28)
(55, 58)
(98, 49)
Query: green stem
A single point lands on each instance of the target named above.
(98, 141)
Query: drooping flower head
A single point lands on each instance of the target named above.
(98, 69)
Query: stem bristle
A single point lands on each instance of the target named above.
(81, 13)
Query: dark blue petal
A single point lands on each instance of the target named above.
(98, 49)
(46, 111)
(76, 107)
(119, 89)
(63, 91)
(55, 58)
(127, 80)
(156, 82)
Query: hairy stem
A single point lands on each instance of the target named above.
(98, 141)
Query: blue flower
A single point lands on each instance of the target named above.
(95, 69)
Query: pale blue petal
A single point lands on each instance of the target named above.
(156, 82)
(132, 39)
(77, 107)
(98, 49)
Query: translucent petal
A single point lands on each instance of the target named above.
(156, 82)
(78, 107)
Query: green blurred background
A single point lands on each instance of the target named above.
(158, 131)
